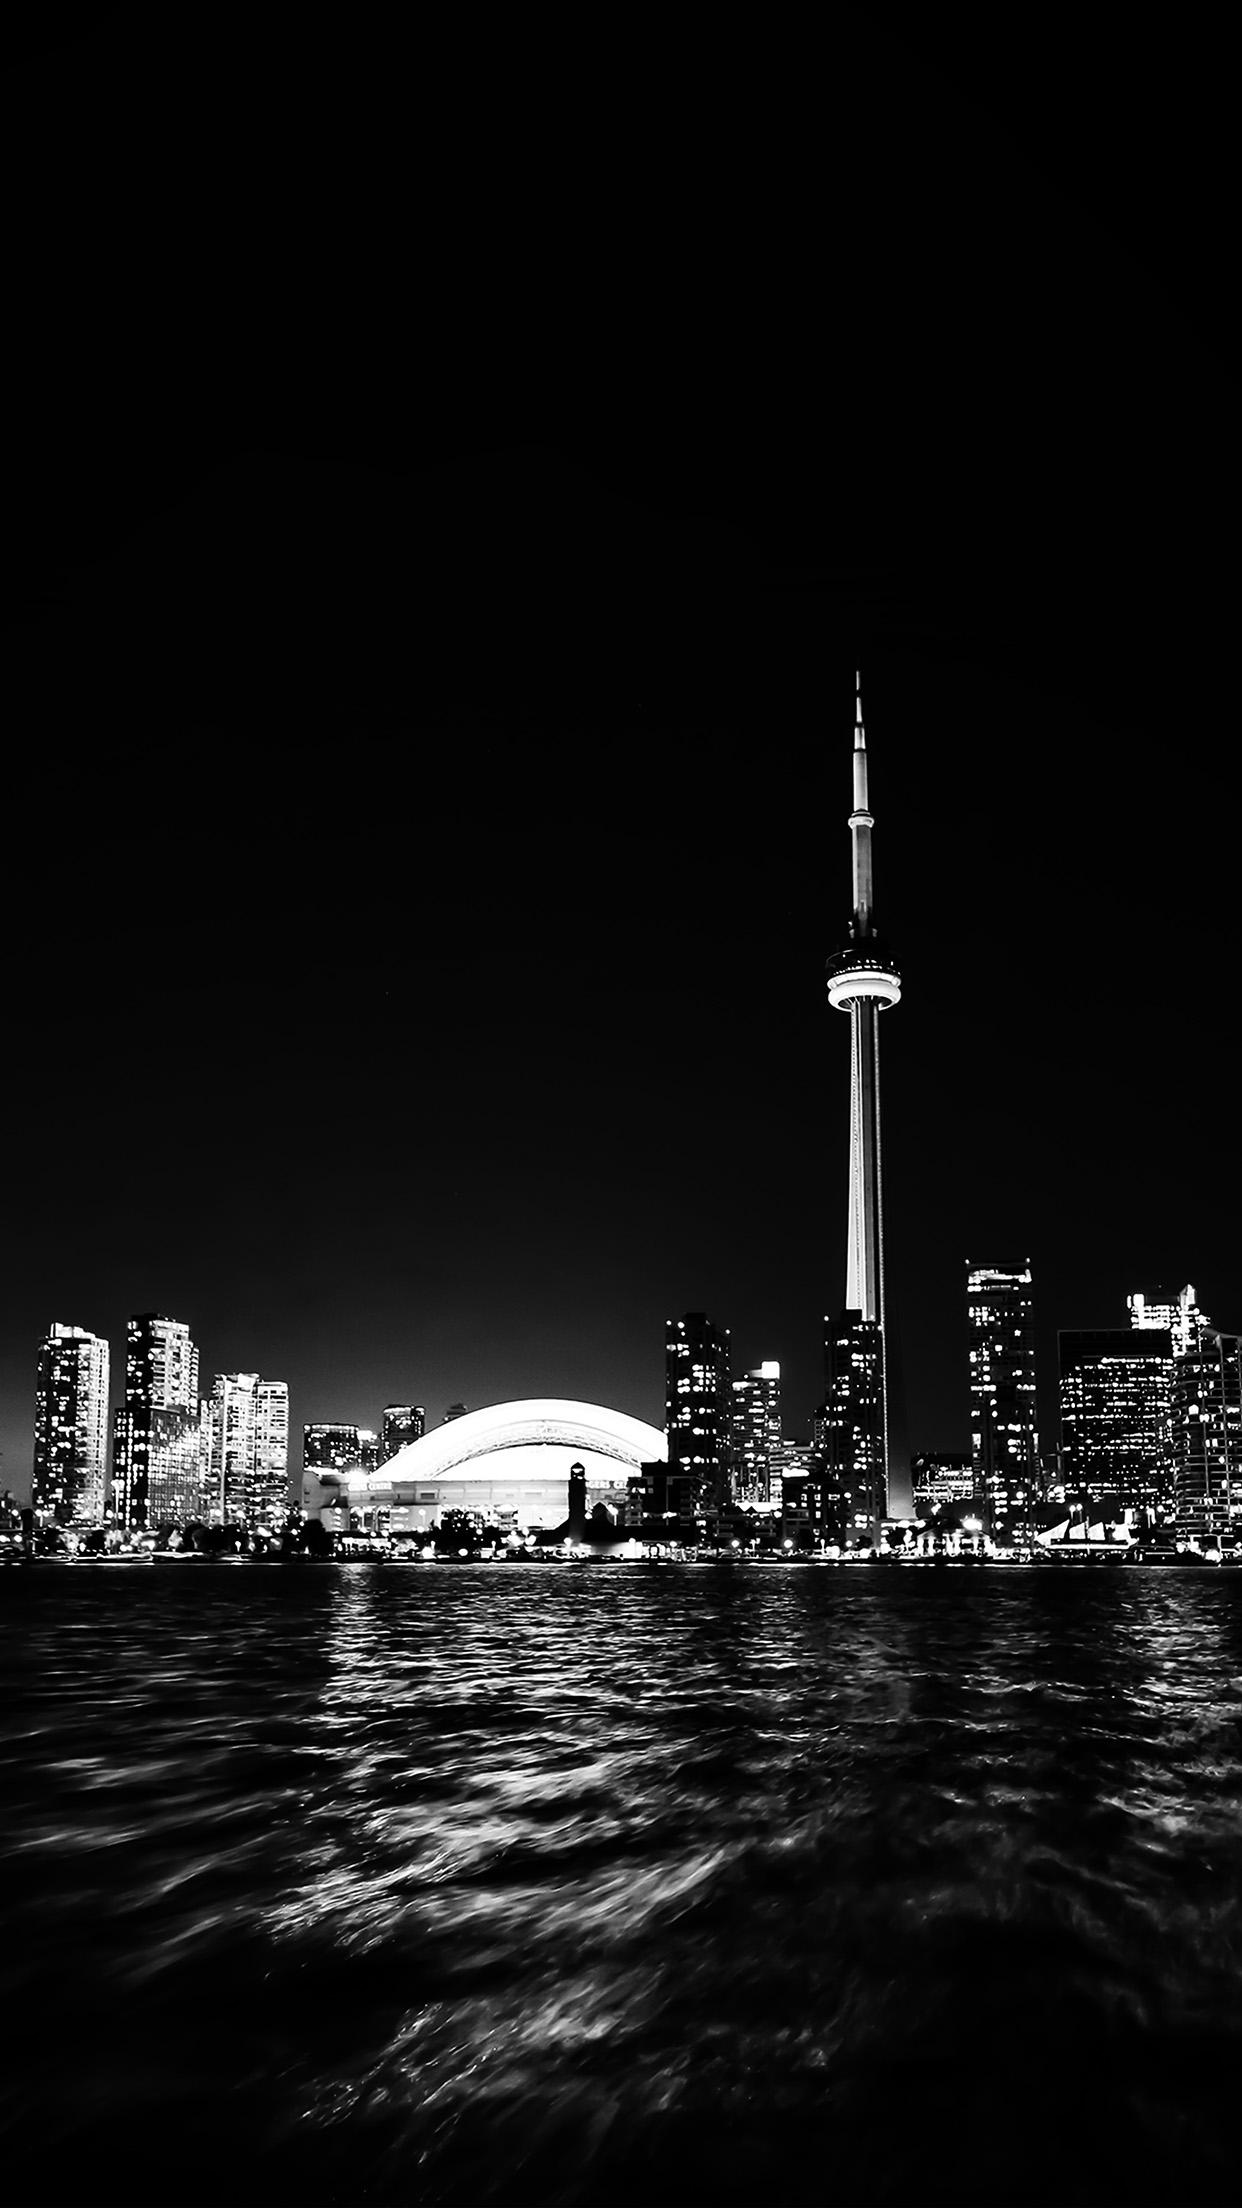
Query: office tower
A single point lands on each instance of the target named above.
(943, 1477)
(369, 1449)
(1207, 1434)
(697, 1408)
(1177, 1316)
(402, 1423)
(1115, 1400)
(863, 981)
(755, 1432)
(330, 1447)
(455, 1410)
(1004, 1443)
(70, 1481)
(158, 1432)
(249, 1450)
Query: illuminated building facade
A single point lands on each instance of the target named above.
(863, 982)
(70, 1481)
(329, 1447)
(1116, 1406)
(1207, 1434)
(249, 1450)
(698, 1410)
(755, 1432)
(1003, 1437)
(160, 1435)
(268, 1497)
(1177, 1316)
(942, 1478)
(402, 1424)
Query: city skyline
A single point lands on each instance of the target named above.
(573, 1363)
(437, 814)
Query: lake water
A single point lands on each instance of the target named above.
(585, 1884)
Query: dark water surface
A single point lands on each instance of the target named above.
(587, 1885)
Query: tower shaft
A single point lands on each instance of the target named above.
(864, 1268)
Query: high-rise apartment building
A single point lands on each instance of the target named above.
(402, 1423)
(160, 1435)
(70, 1482)
(249, 1450)
(755, 1432)
(1003, 1437)
(1207, 1434)
(697, 1413)
(269, 1495)
(1116, 1404)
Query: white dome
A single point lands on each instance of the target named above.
(530, 1438)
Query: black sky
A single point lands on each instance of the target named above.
(451, 488)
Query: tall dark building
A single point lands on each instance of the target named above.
(1207, 1434)
(850, 1431)
(403, 1422)
(160, 1436)
(863, 981)
(697, 1413)
(1004, 1444)
(1116, 1405)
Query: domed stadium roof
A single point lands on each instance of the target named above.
(468, 1447)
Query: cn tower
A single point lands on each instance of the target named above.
(863, 981)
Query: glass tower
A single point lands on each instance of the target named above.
(158, 1433)
(698, 1410)
(1004, 1444)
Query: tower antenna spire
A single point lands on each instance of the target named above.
(861, 823)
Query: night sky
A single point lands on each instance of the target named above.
(450, 492)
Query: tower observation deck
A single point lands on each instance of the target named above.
(863, 981)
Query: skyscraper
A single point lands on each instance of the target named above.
(755, 1432)
(1207, 1433)
(70, 1482)
(1115, 1412)
(249, 1450)
(158, 1433)
(862, 981)
(697, 1408)
(403, 1422)
(1003, 1439)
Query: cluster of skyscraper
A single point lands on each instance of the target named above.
(1150, 1416)
(1150, 1427)
(175, 1455)
(167, 1455)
